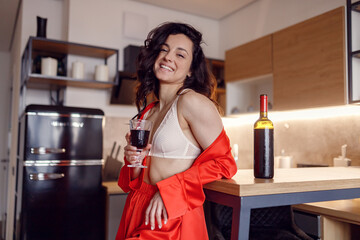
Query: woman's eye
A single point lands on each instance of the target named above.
(163, 50)
(180, 55)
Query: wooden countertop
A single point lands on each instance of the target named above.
(113, 188)
(285, 181)
(289, 180)
(343, 210)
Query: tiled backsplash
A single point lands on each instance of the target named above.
(311, 141)
(114, 131)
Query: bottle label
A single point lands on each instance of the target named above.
(264, 153)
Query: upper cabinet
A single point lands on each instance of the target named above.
(353, 30)
(38, 48)
(301, 66)
(249, 60)
(217, 68)
(309, 63)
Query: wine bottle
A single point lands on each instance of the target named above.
(263, 143)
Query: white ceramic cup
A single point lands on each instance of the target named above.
(101, 73)
(49, 66)
(77, 70)
(285, 162)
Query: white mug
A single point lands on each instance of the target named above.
(49, 66)
(77, 70)
(101, 73)
(285, 162)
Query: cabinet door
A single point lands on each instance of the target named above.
(249, 60)
(309, 61)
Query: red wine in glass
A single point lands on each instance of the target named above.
(139, 138)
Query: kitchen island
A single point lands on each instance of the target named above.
(289, 186)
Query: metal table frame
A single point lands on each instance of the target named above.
(242, 205)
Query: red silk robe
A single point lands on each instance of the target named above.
(182, 195)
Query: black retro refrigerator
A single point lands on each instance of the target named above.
(59, 186)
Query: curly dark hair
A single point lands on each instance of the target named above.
(201, 79)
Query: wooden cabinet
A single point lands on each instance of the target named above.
(306, 63)
(309, 63)
(217, 68)
(250, 60)
(338, 219)
(37, 48)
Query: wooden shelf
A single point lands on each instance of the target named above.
(60, 47)
(37, 48)
(39, 81)
(221, 90)
(356, 54)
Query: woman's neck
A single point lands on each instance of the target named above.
(167, 94)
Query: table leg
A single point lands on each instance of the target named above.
(243, 224)
(240, 225)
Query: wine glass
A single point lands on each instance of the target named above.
(139, 137)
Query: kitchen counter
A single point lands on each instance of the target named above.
(288, 180)
(113, 188)
(288, 187)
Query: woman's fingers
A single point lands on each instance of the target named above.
(127, 137)
(147, 147)
(165, 215)
(158, 213)
(155, 212)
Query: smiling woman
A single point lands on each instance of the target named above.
(189, 146)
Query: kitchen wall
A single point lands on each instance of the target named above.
(108, 23)
(5, 69)
(307, 138)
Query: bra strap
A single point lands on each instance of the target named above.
(148, 107)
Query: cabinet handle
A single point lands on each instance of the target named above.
(44, 150)
(45, 176)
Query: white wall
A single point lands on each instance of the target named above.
(54, 11)
(5, 69)
(264, 17)
(103, 24)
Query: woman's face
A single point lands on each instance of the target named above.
(174, 60)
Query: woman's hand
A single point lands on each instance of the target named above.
(133, 156)
(156, 211)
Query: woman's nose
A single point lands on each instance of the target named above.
(169, 56)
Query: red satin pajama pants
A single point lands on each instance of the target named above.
(190, 226)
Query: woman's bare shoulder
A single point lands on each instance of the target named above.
(195, 105)
(201, 115)
(194, 101)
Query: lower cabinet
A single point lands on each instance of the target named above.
(326, 227)
(309, 223)
(115, 207)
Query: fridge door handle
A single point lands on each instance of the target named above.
(45, 150)
(45, 176)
